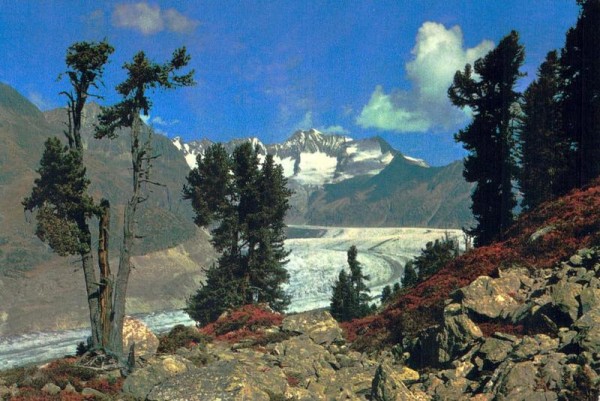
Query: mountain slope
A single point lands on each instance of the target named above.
(33, 280)
(403, 194)
(337, 180)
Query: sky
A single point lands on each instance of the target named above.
(268, 68)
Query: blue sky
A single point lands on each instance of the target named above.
(267, 68)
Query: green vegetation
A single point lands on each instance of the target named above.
(60, 195)
(246, 211)
(490, 137)
(143, 76)
(350, 298)
(547, 138)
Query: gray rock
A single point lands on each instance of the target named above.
(226, 380)
(588, 331)
(494, 350)
(492, 298)
(51, 389)
(541, 233)
(159, 369)
(565, 297)
(589, 299)
(457, 335)
(387, 387)
(69, 388)
(318, 325)
(95, 393)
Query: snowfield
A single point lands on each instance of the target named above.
(315, 262)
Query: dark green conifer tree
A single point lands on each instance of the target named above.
(343, 299)
(490, 137)
(435, 256)
(546, 160)
(386, 293)
(353, 290)
(410, 275)
(580, 61)
(357, 278)
(245, 204)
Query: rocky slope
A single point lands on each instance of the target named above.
(517, 320)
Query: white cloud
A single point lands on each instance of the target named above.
(150, 19)
(437, 55)
(40, 101)
(334, 129)
(166, 123)
(306, 122)
(177, 22)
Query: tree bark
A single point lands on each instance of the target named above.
(137, 159)
(106, 278)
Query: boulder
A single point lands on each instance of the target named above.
(457, 335)
(318, 325)
(589, 299)
(159, 369)
(494, 351)
(387, 386)
(588, 331)
(492, 298)
(51, 389)
(229, 380)
(135, 331)
(565, 296)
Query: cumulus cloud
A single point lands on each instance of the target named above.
(151, 19)
(438, 53)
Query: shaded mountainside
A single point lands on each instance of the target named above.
(403, 194)
(340, 181)
(25, 262)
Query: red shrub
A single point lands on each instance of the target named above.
(247, 321)
(573, 223)
(490, 328)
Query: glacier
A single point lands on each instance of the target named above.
(315, 262)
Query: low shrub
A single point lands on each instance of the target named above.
(247, 321)
(181, 336)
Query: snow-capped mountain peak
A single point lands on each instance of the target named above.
(312, 158)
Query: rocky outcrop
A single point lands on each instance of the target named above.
(314, 363)
(560, 362)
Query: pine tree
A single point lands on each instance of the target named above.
(546, 163)
(386, 293)
(410, 275)
(143, 75)
(435, 256)
(350, 299)
(245, 204)
(580, 61)
(343, 299)
(357, 278)
(60, 194)
(490, 137)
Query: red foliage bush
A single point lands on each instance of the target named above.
(247, 321)
(490, 328)
(572, 222)
(107, 386)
